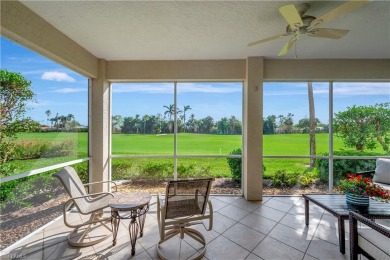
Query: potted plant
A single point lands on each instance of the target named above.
(358, 190)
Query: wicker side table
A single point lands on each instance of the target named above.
(133, 206)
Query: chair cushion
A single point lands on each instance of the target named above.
(374, 243)
(382, 171)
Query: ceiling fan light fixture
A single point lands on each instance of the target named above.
(298, 23)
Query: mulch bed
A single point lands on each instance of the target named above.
(17, 223)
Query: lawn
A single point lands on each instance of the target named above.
(281, 144)
(187, 144)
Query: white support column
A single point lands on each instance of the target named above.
(253, 130)
(100, 129)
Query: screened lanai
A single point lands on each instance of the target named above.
(118, 42)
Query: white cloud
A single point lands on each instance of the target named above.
(57, 76)
(363, 88)
(69, 90)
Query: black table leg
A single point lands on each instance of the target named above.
(115, 221)
(133, 232)
(306, 212)
(141, 220)
(341, 235)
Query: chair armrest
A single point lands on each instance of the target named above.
(355, 217)
(92, 194)
(87, 184)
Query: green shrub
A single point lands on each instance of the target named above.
(122, 169)
(235, 165)
(33, 149)
(193, 171)
(82, 171)
(156, 170)
(343, 166)
(281, 179)
(307, 178)
(18, 192)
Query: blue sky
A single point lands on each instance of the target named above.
(63, 91)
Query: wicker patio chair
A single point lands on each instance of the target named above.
(91, 205)
(184, 205)
(373, 240)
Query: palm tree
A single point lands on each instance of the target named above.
(137, 122)
(69, 117)
(170, 110)
(145, 118)
(185, 108)
(48, 113)
(312, 124)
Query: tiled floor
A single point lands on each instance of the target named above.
(271, 229)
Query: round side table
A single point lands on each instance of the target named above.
(131, 206)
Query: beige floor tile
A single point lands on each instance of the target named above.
(151, 236)
(270, 248)
(176, 249)
(34, 244)
(279, 205)
(324, 250)
(122, 250)
(233, 212)
(242, 230)
(228, 199)
(300, 210)
(222, 223)
(62, 250)
(289, 199)
(308, 257)
(330, 234)
(253, 257)
(222, 248)
(270, 213)
(218, 204)
(291, 237)
(247, 205)
(259, 223)
(208, 235)
(298, 222)
(38, 255)
(244, 236)
(331, 221)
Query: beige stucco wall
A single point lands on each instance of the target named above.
(253, 129)
(21, 25)
(340, 69)
(99, 129)
(176, 70)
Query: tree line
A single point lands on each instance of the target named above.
(62, 122)
(164, 123)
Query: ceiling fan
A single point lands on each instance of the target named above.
(301, 24)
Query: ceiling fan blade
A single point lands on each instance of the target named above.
(268, 39)
(290, 13)
(287, 47)
(328, 33)
(344, 8)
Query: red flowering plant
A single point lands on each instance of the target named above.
(357, 184)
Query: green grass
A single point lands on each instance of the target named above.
(288, 144)
(283, 144)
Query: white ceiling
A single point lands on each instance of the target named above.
(185, 30)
